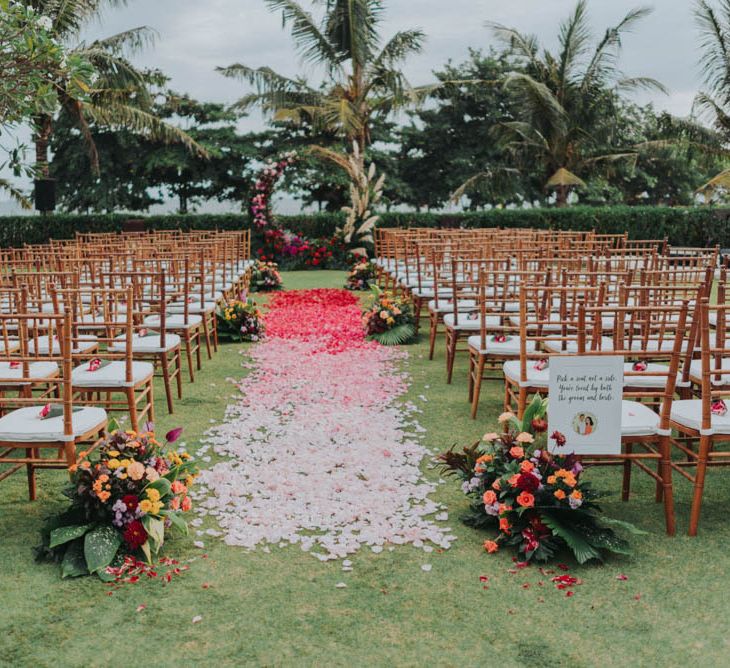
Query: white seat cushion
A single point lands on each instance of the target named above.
(147, 344)
(194, 306)
(535, 377)
(695, 371)
(12, 345)
(645, 380)
(111, 375)
(446, 306)
(35, 369)
(175, 321)
(25, 426)
(83, 343)
(511, 347)
(688, 413)
(571, 345)
(470, 324)
(638, 419)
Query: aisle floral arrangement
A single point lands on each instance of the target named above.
(361, 276)
(389, 320)
(266, 277)
(123, 502)
(535, 499)
(240, 320)
(260, 205)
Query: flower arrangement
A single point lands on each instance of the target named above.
(266, 277)
(536, 499)
(260, 205)
(122, 504)
(361, 275)
(240, 320)
(389, 320)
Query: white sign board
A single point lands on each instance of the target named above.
(585, 403)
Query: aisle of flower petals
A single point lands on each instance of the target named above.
(318, 450)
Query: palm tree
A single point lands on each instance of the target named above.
(362, 75)
(714, 25)
(563, 101)
(120, 96)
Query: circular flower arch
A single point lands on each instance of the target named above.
(260, 205)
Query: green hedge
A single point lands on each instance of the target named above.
(697, 226)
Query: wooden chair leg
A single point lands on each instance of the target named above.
(30, 469)
(151, 399)
(197, 338)
(433, 332)
(178, 371)
(132, 406)
(478, 385)
(667, 492)
(189, 354)
(451, 340)
(166, 379)
(704, 451)
(626, 484)
(206, 331)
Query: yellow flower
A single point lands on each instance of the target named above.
(153, 495)
(114, 453)
(145, 506)
(113, 464)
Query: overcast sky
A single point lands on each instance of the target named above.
(197, 36)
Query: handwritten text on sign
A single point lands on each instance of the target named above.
(585, 402)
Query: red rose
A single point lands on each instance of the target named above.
(131, 501)
(135, 535)
(527, 482)
(558, 438)
(540, 424)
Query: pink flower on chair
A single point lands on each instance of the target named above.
(640, 366)
(94, 364)
(45, 412)
(718, 407)
(15, 364)
(541, 365)
(500, 338)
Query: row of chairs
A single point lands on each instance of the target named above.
(516, 298)
(87, 324)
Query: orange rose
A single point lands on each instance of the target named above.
(504, 508)
(575, 494)
(187, 504)
(527, 466)
(513, 480)
(175, 503)
(485, 459)
(504, 525)
(559, 494)
(489, 497)
(497, 485)
(526, 500)
(490, 546)
(551, 480)
(517, 452)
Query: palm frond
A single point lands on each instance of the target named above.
(351, 27)
(574, 36)
(523, 46)
(15, 193)
(720, 181)
(537, 98)
(714, 44)
(143, 123)
(313, 46)
(404, 43)
(129, 41)
(641, 83)
(602, 65)
(398, 335)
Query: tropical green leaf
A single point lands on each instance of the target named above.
(162, 485)
(100, 547)
(68, 533)
(631, 528)
(178, 522)
(577, 543)
(396, 336)
(74, 562)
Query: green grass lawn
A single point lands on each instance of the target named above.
(283, 608)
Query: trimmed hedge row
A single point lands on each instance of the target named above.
(696, 226)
